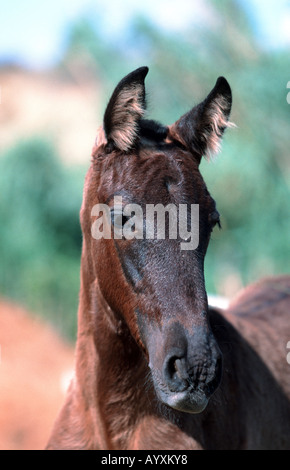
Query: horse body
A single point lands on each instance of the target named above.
(110, 404)
(155, 367)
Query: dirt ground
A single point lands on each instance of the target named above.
(35, 369)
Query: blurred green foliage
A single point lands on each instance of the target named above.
(40, 237)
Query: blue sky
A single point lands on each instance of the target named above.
(33, 32)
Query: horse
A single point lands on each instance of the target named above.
(156, 367)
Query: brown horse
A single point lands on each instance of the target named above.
(155, 367)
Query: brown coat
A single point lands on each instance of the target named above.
(155, 368)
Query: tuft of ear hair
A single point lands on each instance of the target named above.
(125, 110)
(202, 128)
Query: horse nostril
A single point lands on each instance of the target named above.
(172, 366)
(175, 373)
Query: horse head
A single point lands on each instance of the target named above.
(147, 218)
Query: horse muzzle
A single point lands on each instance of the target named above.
(193, 402)
(190, 372)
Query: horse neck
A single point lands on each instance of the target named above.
(110, 368)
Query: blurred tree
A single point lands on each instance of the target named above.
(40, 236)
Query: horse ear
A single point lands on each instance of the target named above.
(124, 111)
(202, 128)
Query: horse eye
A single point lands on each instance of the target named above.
(118, 218)
(214, 219)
